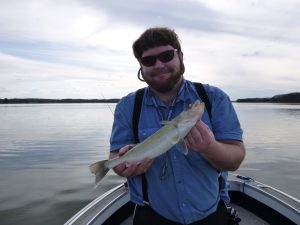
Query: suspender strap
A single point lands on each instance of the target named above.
(136, 113)
(135, 126)
(202, 94)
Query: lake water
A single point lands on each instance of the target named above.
(45, 150)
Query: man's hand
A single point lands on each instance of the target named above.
(200, 138)
(130, 169)
(223, 155)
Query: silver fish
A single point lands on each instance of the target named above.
(173, 132)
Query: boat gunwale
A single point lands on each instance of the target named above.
(258, 192)
(112, 203)
(250, 188)
(95, 203)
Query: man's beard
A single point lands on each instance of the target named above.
(168, 84)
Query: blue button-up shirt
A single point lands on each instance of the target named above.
(182, 188)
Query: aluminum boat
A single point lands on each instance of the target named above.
(255, 202)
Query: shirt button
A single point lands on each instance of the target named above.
(174, 157)
(183, 204)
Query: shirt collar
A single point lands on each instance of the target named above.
(182, 94)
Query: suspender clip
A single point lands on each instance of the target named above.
(146, 203)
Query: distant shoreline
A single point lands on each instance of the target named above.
(45, 101)
(285, 98)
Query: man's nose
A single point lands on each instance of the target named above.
(158, 63)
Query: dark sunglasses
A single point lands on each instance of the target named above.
(164, 57)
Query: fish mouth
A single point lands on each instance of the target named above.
(196, 108)
(196, 104)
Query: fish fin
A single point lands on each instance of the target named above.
(164, 122)
(181, 146)
(100, 170)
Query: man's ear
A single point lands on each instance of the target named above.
(140, 72)
(180, 54)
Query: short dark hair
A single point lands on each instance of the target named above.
(154, 37)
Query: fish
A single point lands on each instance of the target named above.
(172, 133)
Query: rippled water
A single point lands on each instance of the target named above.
(272, 138)
(45, 150)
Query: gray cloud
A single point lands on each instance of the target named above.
(278, 22)
(182, 14)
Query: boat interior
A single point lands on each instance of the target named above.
(256, 204)
(250, 212)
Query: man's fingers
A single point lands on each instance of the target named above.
(125, 149)
(200, 137)
(130, 170)
(194, 137)
(143, 167)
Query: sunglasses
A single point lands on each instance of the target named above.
(164, 57)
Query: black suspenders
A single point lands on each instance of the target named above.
(135, 126)
(136, 113)
(202, 94)
(136, 118)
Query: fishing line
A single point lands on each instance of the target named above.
(107, 104)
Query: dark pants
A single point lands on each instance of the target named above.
(145, 215)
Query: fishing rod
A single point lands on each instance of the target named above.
(107, 104)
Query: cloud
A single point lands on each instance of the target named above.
(48, 21)
(242, 63)
(72, 21)
(175, 13)
(257, 19)
(31, 78)
(80, 48)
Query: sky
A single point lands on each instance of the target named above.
(83, 48)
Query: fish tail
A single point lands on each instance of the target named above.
(99, 169)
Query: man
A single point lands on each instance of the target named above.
(181, 189)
